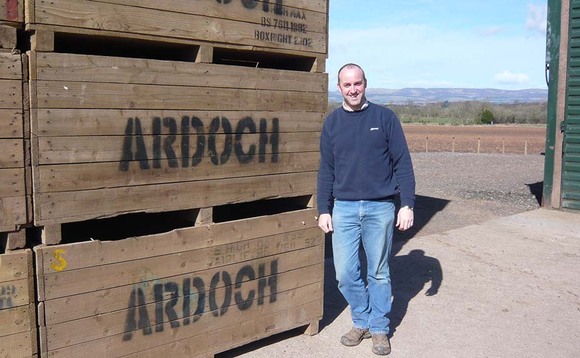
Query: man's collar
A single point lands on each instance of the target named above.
(348, 109)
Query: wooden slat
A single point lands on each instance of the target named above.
(291, 307)
(128, 96)
(12, 182)
(77, 206)
(88, 122)
(96, 303)
(12, 153)
(86, 68)
(62, 150)
(113, 323)
(11, 123)
(10, 67)
(15, 265)
(19, 345)
(129, 19)
(76, 177)
(12, 11)
(13, 213)
(11, 94)
(127, 273)
(95, 253)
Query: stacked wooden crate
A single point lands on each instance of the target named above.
(14, 165)
(18, 328)
(208, 111)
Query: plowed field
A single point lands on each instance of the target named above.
(476, 139)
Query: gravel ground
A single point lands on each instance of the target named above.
(454, 190)
(459, 189)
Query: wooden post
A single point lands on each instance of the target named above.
(478, 145)
(503, 147)
(426, 144)
(453, 145)
(526, 148)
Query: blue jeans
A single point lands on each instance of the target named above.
(372, 223)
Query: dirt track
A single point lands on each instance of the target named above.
(497, 139)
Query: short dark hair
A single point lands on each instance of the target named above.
(351, 66)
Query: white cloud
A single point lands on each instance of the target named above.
(537, 18)
(490, 31)
(507, 77)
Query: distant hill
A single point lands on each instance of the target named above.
(432, 95)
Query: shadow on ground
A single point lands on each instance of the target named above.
(409, 275)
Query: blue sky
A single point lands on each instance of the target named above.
(439, 44)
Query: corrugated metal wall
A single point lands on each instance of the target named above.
(571, 127)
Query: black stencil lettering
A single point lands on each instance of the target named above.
(197, 124)
(173, 289)
(186, 308)
(271, 281)
(171, 125)
(246, 271)
(273, 139)
(213, 129)
(212, 294)
(156, 142)
(185, 141)
(158, 292)
(250, 4)
(200, 288)
(136, 301)
(246, 123)
(140, 151)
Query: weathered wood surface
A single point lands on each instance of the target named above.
(165, 135)
(17, 305)
(12, 12)
(299, 26)
(175, 291)
(13, 146)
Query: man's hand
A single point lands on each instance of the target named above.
(325, 223)
(404, 218)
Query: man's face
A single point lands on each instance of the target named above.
(352, 86)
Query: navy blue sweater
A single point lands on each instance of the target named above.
(364, 156)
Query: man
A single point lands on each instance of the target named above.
(364, 164)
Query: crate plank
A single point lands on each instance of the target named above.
(13, 212)
(12, 153)
(10, 66)
(96, 303)
(62, 150)
(96, 253)
(268, 319)
(83, 205)
(11, 94)
(296, 29)
(12, 182)
(17, 307)
(12, 11)
(113, 323)
(88, 122)
(125, 273)
(11, 123)
(134, 96)
(86, 176)
(90, 68)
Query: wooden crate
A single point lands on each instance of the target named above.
(14, 164)
(294, 25)
(18, 329)
(12, 13)
(190, 292)
(167, 135)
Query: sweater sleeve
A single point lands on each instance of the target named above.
(402, 164)
(325, 180)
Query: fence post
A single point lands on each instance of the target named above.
(503, 147)
(426, 144)
(478, 145)
(526, 148)
(453, 145)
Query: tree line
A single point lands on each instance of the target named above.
(469, 112)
